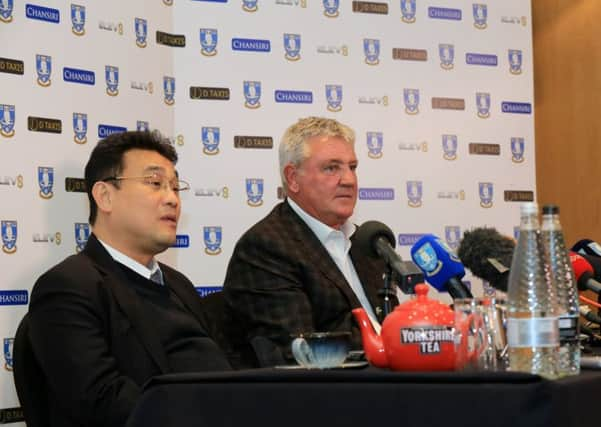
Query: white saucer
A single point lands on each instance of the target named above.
(346, 365)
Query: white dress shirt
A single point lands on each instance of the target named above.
(338, 245)
(141, 269)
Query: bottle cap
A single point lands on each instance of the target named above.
(550, 210)
(529, 208)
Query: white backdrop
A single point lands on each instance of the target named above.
(405, 80)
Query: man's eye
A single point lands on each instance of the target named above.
(353, 167)
(331, 168)
(155, 183)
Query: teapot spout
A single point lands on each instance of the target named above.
(372, 342)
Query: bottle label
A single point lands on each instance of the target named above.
(533, 332)
(568, 329)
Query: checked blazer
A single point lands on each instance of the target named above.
(281, 280)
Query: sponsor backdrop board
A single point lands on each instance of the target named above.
(439, 93)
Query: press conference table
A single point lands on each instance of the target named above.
(368, 397)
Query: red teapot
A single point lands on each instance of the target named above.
(419, 335)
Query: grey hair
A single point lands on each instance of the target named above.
(293, 145)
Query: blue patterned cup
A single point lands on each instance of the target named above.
(321, 350)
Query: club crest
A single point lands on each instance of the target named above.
(425, 257)
(375, 143)
(142, 126)
(252, 94)
(515, 61)
(6, 10)
(254, 191)
(43, 68)
(480, 12)
(292, 46)
(250, 5)
(485, 191)
(371, 49)
(208, 41)
(447, 56)
(78, 19)
(212, 239)
(330, 8)
(334, 97)
(411, 100)
(9, 236)
(141, 30)
(452, 234)
(80, 128)
(45, 181)
(8, 353)
(449, 147)
(111, 75)
(82, 233)
(169, 90)
(483, 104)
(210, 140)
(517, 150)
(408, 11)
(414, 193)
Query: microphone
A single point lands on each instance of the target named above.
(377, 241)
(585, 273)
(587, 247)
(588, 314)
(440, 265)
(488, 254)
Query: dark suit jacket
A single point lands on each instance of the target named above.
(93, 344)
(281, 280)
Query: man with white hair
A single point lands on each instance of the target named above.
(296, 270)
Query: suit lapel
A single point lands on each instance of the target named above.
(128, 300)
(316, 252)
(366, 270)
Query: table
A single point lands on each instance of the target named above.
(367, 397)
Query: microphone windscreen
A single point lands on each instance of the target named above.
(580, 265)
(485, 251)
(368, 233)
(437, 261)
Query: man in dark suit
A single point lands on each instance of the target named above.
(296, 270)
(106, 320)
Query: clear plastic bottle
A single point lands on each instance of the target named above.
(532, 325)
(567, 293)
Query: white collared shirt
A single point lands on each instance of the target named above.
(141, 269)
(338, 245)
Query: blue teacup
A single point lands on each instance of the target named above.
(321, 350)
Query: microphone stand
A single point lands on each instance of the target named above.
(390, 280)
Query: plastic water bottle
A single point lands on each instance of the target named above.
(567, 293)
(532, 324)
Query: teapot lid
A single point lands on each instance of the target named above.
(422, 307)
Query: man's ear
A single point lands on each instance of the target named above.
(102, 193)
(291, 175)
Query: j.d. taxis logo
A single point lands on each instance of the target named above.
(252, 94)
(78, 19)
(44, 124)
(43, 67)
(12, 66)
(408, 11)
(111, 75)
(45, 181)
(254, 192)
(141, 30)
(9, 236)
(292, 46)
(212, 237)
(414, 193)
(80, 128)
(331, 8)
(7, 120)
(6, 11)
(208, 41)
(486, 192)
(211, 137)
(169, 90)
(250, 5)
